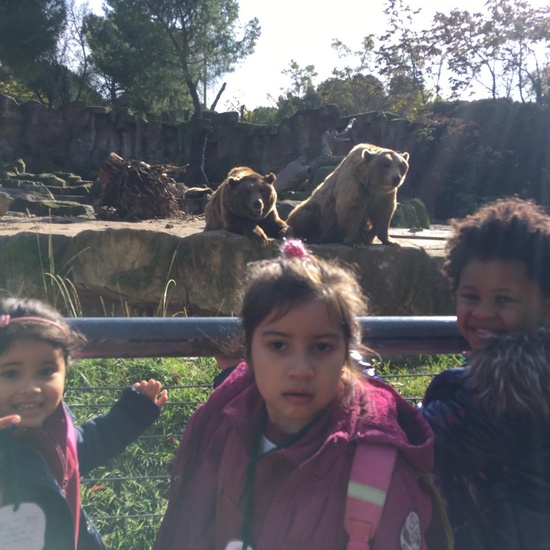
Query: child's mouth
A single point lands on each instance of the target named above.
(484, 333)
(25, 407)
(298, 397)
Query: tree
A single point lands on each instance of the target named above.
(354, 88)
(301, 94)
(497, 48)
(134, 62)
(29, 30)
(403, 51)
(201, 39)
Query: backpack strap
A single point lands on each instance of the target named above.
(371, 473)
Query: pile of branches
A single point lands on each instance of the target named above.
(135, 190)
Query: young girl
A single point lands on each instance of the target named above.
(492, 457)
(43, 455)
(265, 463)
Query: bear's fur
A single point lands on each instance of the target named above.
(356, 201)
(245, 203)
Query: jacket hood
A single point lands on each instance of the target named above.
(377, 414)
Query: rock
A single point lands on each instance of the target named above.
(5, 201)
(127, 271)
(292, 175)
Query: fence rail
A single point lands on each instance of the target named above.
(209, 336)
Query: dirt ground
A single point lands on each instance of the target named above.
(432, 240)
(12, 223)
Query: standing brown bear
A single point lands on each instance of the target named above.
(356, 201)
(245, 203)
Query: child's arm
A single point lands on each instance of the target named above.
(108, 435)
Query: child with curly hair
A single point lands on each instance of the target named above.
(490, 418)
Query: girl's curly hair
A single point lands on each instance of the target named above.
(507, 229)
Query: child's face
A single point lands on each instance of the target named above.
(497, 297)
(32, 378)
(297, 362)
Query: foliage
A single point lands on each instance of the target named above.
(135, 63)
(29, 30)
(498, 49)
(301, 94)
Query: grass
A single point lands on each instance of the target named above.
(128, 512)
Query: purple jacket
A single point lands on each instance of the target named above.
(299, 491)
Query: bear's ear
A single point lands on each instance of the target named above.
(233, 182)
(367, 155)
(270, 178)
(405, 155)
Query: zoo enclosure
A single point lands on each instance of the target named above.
(196, 337)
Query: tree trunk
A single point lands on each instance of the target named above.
(200, 129)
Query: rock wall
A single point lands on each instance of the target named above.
(79, 138)
(122, 272)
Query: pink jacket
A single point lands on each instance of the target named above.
(300, 492)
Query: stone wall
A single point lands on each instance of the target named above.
(79, 138)
(121, 272)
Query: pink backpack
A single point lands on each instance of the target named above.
(369, 481)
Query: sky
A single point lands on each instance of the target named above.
(303, 31)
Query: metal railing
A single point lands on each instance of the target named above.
(208, 336)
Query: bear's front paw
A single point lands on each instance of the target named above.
(259, 238)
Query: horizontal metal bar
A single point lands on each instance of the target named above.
(210, 336)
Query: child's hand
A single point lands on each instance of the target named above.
(152, 390)
(8, 421)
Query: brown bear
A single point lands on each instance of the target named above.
(245, 203)
(356, 201)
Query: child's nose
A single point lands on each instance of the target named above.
(301, 365)
(32, 388)
(484, 310)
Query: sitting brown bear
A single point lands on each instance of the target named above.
(245, 203)
(356, 201)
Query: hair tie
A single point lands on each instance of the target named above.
(6, 320)
(294, 248)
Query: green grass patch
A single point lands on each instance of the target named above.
(127, 497)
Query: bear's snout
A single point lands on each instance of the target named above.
(258, 206)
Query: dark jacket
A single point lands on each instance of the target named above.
(299, 491)
(494, 474)
(26, 477)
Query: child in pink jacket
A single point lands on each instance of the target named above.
(265, 463)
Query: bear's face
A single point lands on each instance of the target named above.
(382, 171)
(251, 195)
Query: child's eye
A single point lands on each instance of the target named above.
(468, 296)
(47, 371)
(277, 346)
(505, 299)
(324, 346)
(10, 374)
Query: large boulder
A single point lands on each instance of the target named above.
(123, 272)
